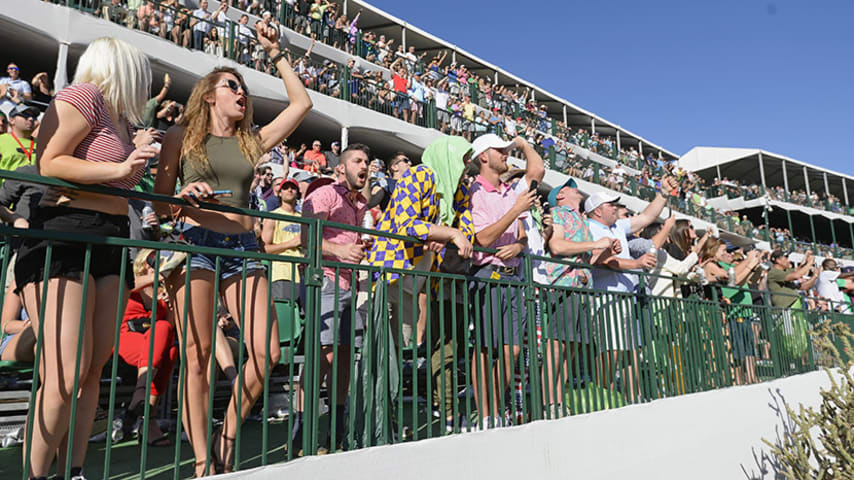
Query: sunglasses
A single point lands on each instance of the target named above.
(234, 86)
(11, 69)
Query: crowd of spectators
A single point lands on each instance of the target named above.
(504, 212)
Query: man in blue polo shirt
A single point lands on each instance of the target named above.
(618, 331)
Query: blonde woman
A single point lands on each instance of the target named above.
(85, 137)
(216, 148)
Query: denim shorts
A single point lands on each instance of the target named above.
(228, 266)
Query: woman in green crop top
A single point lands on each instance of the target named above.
(216, 148)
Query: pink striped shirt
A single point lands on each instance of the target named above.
(103, 142)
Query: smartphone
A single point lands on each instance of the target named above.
(222, 193)
(533, 187)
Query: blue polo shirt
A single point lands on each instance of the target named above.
(611, 280)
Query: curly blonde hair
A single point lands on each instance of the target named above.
(197, 118)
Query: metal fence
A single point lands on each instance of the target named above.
(495, 352)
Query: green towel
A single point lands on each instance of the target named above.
(445, 157)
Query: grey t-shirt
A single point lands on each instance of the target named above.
(22, 197)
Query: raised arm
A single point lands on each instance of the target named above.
(289, 119)
(653, 210)
(535, 168)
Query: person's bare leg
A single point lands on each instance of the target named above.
(58, 360)
(258, 338)
(421, 325)
(750, 369)
(21, 348)
(103, 327)
(199, 338)
(552, 377)
(480, 368)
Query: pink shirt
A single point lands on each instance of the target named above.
(488, 205)
(333, 202)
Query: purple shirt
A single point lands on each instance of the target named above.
(488, 205)
(333, 201)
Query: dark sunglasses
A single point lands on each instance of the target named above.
(12, 68)
(235, 86)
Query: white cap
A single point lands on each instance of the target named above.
(485, 142)
(598, 198)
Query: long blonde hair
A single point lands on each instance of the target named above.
(197, 119)
(122, 73)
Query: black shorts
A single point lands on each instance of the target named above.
(68, 258)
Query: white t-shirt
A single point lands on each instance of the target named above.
(22, 86)
(536, 242)
(441, 99)
(202, 25)
(827, 287)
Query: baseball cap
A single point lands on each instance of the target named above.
(553, 194)
(490, 140)
(22, 109)
(598, 198)
(289, 181)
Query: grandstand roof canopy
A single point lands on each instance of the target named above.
(743, 164)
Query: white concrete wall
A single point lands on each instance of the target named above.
(712, 435)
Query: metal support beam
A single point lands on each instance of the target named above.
(565, 122)
(812, 231)
(60, 77)
(640, 149)
(762, 171)
(718, 171)
(785, 181)
(845, 191)
(619, 147)
(826, 185)
(403, 37)
(345, 137)
(807, 183)
(454, 55)
(592, 126)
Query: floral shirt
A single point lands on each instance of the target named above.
(575, 230)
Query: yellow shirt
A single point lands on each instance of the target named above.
(283, 232)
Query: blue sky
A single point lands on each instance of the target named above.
(774, 75)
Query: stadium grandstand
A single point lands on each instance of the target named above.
(390, 308)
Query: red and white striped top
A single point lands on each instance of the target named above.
(102, 143)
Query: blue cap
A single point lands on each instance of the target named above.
(553, 194)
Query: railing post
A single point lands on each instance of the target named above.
(552, 159)
(231, 37)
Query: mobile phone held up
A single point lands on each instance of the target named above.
(534, 185)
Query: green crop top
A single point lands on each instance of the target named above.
(228, 170)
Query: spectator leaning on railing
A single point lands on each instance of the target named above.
(415, 210)
(498, 212)
(568, 326)
(621, 328)
(86, 139)
(340, 201)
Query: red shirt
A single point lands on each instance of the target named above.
(399, 83)
(318, 158)
(136, 309)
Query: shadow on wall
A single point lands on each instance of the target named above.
(768, 466)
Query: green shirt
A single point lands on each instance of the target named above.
(12, 155)
(782, 292)
(737, 297)
(149, 112)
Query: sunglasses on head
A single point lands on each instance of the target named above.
(234, 86)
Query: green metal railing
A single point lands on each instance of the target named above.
(581, 350)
